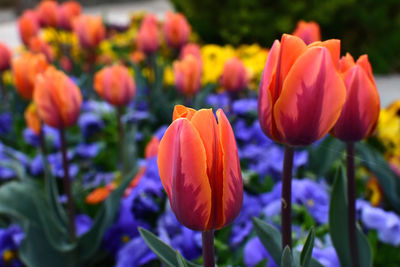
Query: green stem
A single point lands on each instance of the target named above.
(208, 248)
(286, 208)
(120, 139)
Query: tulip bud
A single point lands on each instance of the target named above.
(48, 14)
(115, 85)
(191, 49)
(200, 170)
(25, 68)
(28, 26)
(187, 73)
(151, 149)
(90, 30)
(68, 12)
(57, 98)
(301, 92)
(5, 57)
(309, 32)
(32, 118)
(234, 77)
(360, 113)
(176, 30)
(38, 45)
(147, 38)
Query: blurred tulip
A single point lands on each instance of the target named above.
(5, 57)
(187, 73)
(68, 12)
(66, 64)
(90, 30)
(147, 39)
(234, 76)
(309, 32)
(32, 118)
(115, 85)
(28, 26)
(191, 49)
(57, 98)
(176, 30)
(25, 69)
(301, 92)
(200, 170)
(151, 149)
(360, 113)
(38, 45)
(137, 56)
(48, 13)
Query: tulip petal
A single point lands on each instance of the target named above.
(333, 45)
(311, 99)
(180, 111)
(364, 63)
(229, 199)
(346, 63)
(183, 172)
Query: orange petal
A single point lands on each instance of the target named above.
(180, 111)
(333, 45)
(98, 195)
(346, 63)
(311, 99)
(364, 63)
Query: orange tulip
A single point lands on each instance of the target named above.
(90, 30)
(57, 98)
(32, 118)
(5, 57)
(301, 92)
(200, 170)
(234, 76)
(38, 45)
(25, 68)
(360, 113)
(309, 32)
(48, 13)
(147, 39)
(115, 85)
(176, 30)
(151, 149)
(187, 73)
(68, 12)
(191, 49)
(28, 26)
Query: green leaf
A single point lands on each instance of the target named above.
(181, 260)
(270, 237)
(129, 148)
(164, 252)
(287, 258)
(17, 167)
(338, 226)
(305, 255)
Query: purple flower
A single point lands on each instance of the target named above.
(218, 100)
(254, 252)
(327, 256)
(372, 217)
(134, 253)
(6, 123)
(87, 150)
(31, 138)
(10, 240)
(98, 107)
(90, 123)
(83, 224)
(245, 105)
(390, 233)
(136, 116)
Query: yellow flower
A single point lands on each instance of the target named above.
(214, 58)
(388, 129)
(168, 76)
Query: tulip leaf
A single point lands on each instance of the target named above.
(270, 237)
(338, 226)
(305, 255)
(17, 167)
(287, 258)
(164, 252)
(181, 260)
(389, 181)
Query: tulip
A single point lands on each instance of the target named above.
(68, 12)
(301, 93)
(28, 26)
(57, 98)
(90, 30)
(360, 113)
(151, 149)
(147, 39)
(32, 118)
(115, 85)
(234, 77)
(309, 32)
(191, 49)
(5, 57)
(176, 30)
(48, 13)
(187, 73)
(25, 68)
(199, 169)
(38, 45)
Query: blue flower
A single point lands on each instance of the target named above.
(10, 240)
(327, 256)
(245, 105)
(83, 224)
(254, 252)
(218, 100)
(90, 123)
(87, 150)
(98, 107)
(31, 138)
(6, 123)
(134, 253)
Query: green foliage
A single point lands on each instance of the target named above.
(364, 26)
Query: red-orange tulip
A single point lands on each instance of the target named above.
(38, 45)
(25, 69)
(28, 26)
(147, 39)
(187, 73)
(200, 170)
(191, 49)
(57, 98)
(115, 85)
(48, 13)
(309, 32)
(301, 92)
(68, 12)
(360, 113)
(5, 57)
(90, 30)
(32, 118)
(151, 149)
(176, 30)
(234, 76)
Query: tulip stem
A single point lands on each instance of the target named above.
(208, 248)
(42, 140)
(120, 138)
(67, 187)
(286, 207)
(351, 197)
